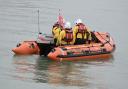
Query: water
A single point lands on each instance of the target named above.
(18, 22)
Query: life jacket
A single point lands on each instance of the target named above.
(81, 29)
(68, 36)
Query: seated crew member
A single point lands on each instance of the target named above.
(81, 33)
(66, 35)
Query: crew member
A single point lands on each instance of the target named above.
(66, 35)
(81, 33)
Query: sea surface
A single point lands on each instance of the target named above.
(19, 22)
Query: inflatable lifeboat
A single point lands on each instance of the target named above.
(101, 47)
(41, 46)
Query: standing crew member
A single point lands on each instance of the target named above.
(56, 31)
(81, 33)
(66, 35)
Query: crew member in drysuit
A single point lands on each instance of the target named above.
(66, 35)
(81, 33)
(56, 31)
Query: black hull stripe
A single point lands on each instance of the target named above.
(80, 55)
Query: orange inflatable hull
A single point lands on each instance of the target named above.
(102, 49)
(26, 48)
